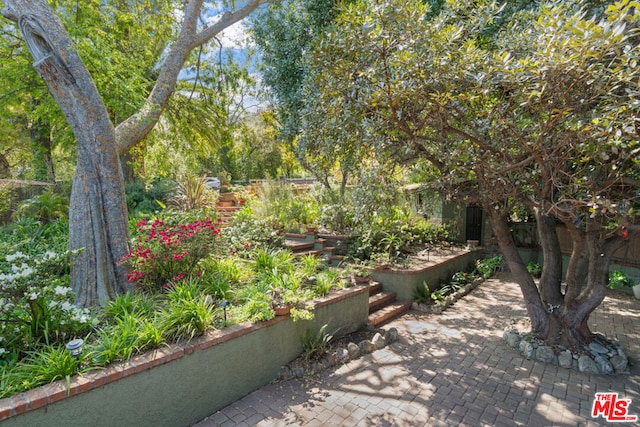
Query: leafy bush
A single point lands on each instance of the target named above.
(164, 253)
(619, 279)
(189, 313)
(280, 205)
(247, 232)
(192, 193)
(422, 294)
(46, 207)
(148, 198)
(337, 217)
(316, 345)
(397, 235)
(36, 303)
(534, 269)
(487, 266)
(48, 364)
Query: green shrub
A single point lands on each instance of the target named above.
(47, 207)
(48, 364)
(619, 279)
(36, 302)
(316, 345)
(165, 253)
(486, 267)
(188, 313)
(534, 269)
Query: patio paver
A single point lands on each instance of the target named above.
(451, 369)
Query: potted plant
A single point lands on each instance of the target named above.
(619, 279)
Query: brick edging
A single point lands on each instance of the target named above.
(58, 390)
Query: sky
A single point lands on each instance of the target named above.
(235, 40)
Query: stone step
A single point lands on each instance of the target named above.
(297, 247)
(229, 210)
(389, 312)
(375, 288)
(379, 300)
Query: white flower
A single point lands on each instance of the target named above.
(49, 255)
(67, 306)
(2, 351)
(33, 296)
(12, 257)
(61, 290)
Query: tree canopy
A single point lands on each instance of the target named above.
(540, 109)
(98, 217)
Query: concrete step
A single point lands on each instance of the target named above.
(297, 247)
(374, 288)
(379, 300)
(389, 312)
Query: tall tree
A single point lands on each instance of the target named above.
(285, 34)
(98, 217)
(539, 110)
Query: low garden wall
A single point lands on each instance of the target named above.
(404, 282)
(181, 384)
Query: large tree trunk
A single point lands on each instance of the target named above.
(551, 278)
(535, 307)
(98, 215)
(564, 322)
(98, 223)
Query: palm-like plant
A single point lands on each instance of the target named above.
(47, 207)
(192, 193)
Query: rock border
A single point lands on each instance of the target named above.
(299, 368)
(600, 357)
(449, 300)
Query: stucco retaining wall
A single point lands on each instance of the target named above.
(181, 384)
(404, 282)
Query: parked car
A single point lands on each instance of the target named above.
(212, 182)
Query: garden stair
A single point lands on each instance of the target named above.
(226, 208)
(383, 306)
(306, 244)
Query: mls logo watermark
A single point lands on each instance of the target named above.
(612, 409)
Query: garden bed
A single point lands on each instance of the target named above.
(181, 384)
(439, 267)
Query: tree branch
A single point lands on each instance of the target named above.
(130, 132)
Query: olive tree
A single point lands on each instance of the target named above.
(98, 223)
(541, 110)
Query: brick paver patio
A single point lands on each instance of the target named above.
(451, 369)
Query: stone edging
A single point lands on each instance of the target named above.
(603, 357)
(448, 300)
(299, 369)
